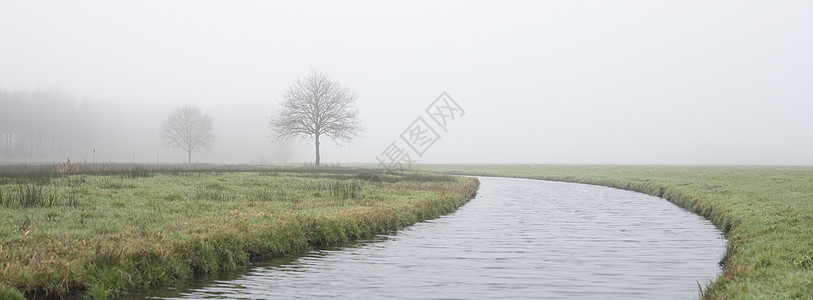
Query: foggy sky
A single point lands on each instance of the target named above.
(598, 82)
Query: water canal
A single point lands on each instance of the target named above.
(518, 239)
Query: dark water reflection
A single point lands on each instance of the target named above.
(518, 239)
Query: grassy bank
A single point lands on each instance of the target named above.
(765, 212)
(98, 231)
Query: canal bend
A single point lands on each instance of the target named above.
(518, 238)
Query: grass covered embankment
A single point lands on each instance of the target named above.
(96, 235)
(766, 214)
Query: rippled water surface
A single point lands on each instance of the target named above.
(518, 239)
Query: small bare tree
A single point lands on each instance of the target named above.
(317, 106)
(189, 129)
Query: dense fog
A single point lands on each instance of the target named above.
(50, 124)
(584, 82)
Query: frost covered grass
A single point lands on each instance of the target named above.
(101, 231)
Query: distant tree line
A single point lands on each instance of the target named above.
(49, 124)
(45, 123)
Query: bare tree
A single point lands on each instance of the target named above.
(189, 129)
(317, 106)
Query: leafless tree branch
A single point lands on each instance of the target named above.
(315, 106)
(189, 129)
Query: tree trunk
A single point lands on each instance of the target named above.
(317, 150)
(189, 157)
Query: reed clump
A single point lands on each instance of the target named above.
(34, 195)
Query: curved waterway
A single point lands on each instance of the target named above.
(518, 239)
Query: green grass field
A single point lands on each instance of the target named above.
(766, 214)
(100, 232)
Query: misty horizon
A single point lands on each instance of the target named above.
(589, 82)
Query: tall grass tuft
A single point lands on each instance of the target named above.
(32, 195)
(345, 188)
(138, 172)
